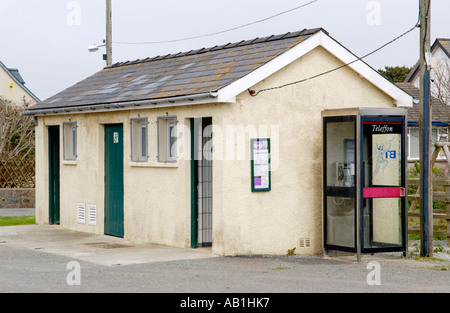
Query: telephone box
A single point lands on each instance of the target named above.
(364, 180)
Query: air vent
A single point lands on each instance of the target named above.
(305, 243)
(81, 213)
(92, 214)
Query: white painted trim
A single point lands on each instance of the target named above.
(401, 98)
(268, 69)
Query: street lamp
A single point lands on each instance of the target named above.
(95, 48)
(108, 42)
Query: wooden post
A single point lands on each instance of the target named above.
(108, 33)
(425, 131)
(448, 214)
(444, 146)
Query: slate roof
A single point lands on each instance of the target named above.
(440, 112)
(15, 72)
(189, 73)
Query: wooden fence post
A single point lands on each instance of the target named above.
(448, 214)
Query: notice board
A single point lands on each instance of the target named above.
(260, 164)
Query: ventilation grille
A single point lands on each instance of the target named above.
(81, 213)
(92, 214)
(305, 243)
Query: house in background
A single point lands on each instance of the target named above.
(440, 72)
(12, 87)
(440, 120)
(159, 150)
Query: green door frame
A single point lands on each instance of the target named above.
(54, 174)
(114, 187)
(195, 180)
(194, 193)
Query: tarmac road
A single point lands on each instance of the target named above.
(38, 259)
(17, 212)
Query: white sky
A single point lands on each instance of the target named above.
(47, 40)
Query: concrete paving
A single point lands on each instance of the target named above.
(98, 249)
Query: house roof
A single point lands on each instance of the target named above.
(216, 74)
(442, 43)
(440, 112)
(17, 78)
(15, 72)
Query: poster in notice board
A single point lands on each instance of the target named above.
(260, 164)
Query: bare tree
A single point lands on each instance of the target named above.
(441, 82)
(17, 133)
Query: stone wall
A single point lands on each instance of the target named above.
(23, 198)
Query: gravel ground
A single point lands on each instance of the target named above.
(440, 247)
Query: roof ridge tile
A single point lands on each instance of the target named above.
(229, 45)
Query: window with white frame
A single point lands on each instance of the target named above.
(139, 139)
(70, 141)
(413, 143)
(167, 139)
(438, 134)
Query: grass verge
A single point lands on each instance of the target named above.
(17, 220)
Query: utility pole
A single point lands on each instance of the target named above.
(426, 224)
(108, 33)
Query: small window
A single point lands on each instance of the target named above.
(139, 140)
(70, 140)
(413, 143)
(167, 139)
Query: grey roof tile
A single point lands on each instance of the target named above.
(439, 110)
(173, 75)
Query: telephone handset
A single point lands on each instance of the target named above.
(345, 174)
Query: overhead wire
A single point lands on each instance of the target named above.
(255, 93)
(216, 33)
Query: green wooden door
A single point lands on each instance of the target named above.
(53, 175)
(114, 180)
